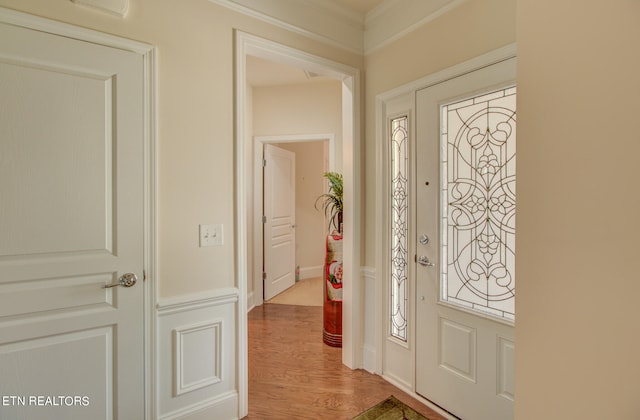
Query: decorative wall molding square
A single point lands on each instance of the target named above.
(197, 356)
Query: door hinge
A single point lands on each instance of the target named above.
(264, 275)
(264, 219)
(264, 163)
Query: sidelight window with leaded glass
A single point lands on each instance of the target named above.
(399, 225)
(478, 197)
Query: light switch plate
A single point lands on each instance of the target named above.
(211, 235)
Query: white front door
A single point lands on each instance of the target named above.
(71, 222)
(465, 221)
(280, 216)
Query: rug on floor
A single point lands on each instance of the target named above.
(390, 409)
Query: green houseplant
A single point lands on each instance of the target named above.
(331, 202)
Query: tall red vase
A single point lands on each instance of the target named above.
(332, 313)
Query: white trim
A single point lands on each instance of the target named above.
(115, 7)
(400, 28)
(357, 32)
(276, 21)
(250, 302)
(150, 263)
(151, 223)
(179, 356)
(226, 400)
(58, 28)
(246, 44)
(186, 303)
(310, 272)
(370, 321)
(258, 240)
(301, 138)
(241, 224)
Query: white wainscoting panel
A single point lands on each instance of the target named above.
(196, 356)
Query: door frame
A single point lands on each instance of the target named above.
(247, 44)
(258, 179)
(384, 102)
(148, 55)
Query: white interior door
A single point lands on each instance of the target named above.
(71, 222)
(280, 216)
(465, 222)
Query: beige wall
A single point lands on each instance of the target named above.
(578, 330)
(313, 108)
(310, 226)
(195, 72)
(467, 31)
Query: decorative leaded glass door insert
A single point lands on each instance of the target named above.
(399, 225)
(478, 164)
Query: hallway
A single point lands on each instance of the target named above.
(293, 375)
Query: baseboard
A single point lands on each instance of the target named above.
(223, 406)
(369, 358)
(250, 302)
(310, 272)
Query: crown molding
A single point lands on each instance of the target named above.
(331, 24)
(115, 7)
(394, 19)
(311, 18)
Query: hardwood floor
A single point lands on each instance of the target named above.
(294, 375)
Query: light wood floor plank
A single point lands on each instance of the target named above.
(293, 375)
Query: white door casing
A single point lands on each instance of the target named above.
(280, 219)
(74, 216)
(464, 360)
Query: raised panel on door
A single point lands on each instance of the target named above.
(71, 222)
(465, 204)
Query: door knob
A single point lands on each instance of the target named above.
(126, 280)
(424, 260)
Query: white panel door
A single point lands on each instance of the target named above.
(464, 217)
(280, 216)
(71, 222)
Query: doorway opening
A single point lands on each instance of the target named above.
(255, 297)
(248, 45)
